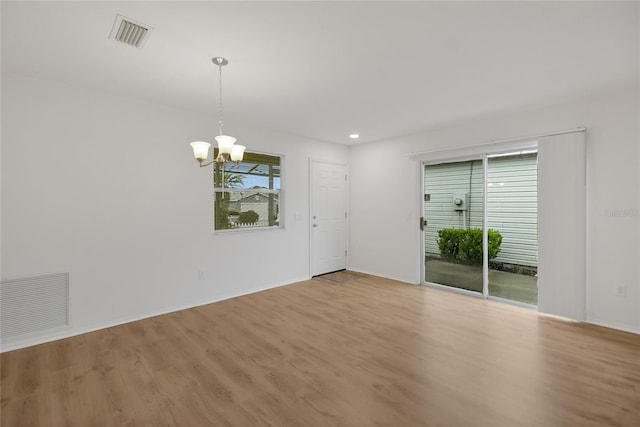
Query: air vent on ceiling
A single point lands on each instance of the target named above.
(128, 31)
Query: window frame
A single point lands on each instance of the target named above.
(218, 192)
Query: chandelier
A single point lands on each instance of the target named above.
(228, 150)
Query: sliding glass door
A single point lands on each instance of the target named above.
(453, 232)
(477, 206)
(512, 211)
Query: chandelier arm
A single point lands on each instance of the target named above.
(203, 164)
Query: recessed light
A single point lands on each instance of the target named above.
(354, 136)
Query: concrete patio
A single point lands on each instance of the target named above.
(512, 286)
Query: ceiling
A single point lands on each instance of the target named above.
(323, 70)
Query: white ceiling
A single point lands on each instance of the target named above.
(326, 69)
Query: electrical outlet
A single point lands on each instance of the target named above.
(200, 275)
(621, 291)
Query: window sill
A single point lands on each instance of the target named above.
(248, 229)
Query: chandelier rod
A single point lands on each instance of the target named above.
(221, 125)
(220, 62)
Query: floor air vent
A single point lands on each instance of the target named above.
(129, 32)
(34, 304)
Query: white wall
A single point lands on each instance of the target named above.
(385, 196)
(107, 189)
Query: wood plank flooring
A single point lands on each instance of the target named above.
(366, 352)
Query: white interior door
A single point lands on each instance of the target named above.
(328, 217)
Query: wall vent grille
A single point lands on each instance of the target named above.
(33, 304)
(129, 32)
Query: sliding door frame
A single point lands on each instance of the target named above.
(454, 159)
(480, 152)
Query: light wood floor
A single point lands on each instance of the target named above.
(367, 352)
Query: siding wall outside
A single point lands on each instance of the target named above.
(511, 203)
(441, 183)
(512, 207)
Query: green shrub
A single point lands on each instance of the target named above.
(465, 245)
(449, 243)
(494, 242)
(248, 217)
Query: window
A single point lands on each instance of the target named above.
(247, 195)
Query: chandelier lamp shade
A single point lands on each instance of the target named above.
(228, 150)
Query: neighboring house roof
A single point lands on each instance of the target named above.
(255, 198)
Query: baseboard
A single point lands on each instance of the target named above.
(372, 273)
(24, 341)
(613, 325)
